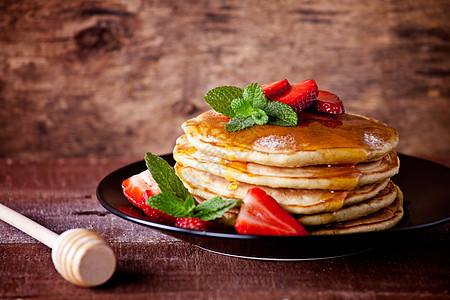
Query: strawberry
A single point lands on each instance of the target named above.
(276, 89)
(138, 188)
(192, 223)
(135, 187)
(301, 95)
(327, 102)
(262, 215)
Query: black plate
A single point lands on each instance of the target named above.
(423, 183)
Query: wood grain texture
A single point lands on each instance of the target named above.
(117, 78)
(59, 194)
(179, 270)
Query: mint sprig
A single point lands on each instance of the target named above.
(249, 107)
(175, 199)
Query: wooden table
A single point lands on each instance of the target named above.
(60, 194)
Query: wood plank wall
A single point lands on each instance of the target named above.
(117, 78)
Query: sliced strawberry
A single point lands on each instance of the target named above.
(329, 103)
(138, 188)
(276, 89)
(301, 95)
(135, 187)
(262, 215)
(192, 223)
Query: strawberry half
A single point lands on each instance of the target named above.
(262, 215)
(301, 95)
(138, 188)
(193, 223)
(327, 102)
(276, 89)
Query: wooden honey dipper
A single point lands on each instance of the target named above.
(81, 256)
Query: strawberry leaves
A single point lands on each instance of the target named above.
(175, 199)
(249, 107)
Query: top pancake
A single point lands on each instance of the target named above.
(317, 139)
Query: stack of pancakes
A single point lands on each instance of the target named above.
(331, 172)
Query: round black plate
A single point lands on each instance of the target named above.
(423, 183)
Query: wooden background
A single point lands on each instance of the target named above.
(117, 78)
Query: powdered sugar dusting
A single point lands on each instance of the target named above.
(276, 142)
(373, 140)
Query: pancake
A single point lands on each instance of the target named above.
(383, 219)
(355, 211)
(318, 139)
(334, 177)
(296, 201)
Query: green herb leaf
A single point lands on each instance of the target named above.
(175, 199)
(280, 114)
(168, 203)
(220, 99)
(239, 123)
(241, 107)
(165, 176)
(214, 208)
(189, 204)
(260, 116)
(254, 94)
(249, 107)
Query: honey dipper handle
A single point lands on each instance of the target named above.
(28, 226)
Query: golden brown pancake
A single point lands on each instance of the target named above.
(383, 219)
(355, 211)
(334, 177)
(318, 139)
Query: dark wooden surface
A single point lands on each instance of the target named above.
(60, 194)
(96, 78)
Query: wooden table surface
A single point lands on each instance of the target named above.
(60, 195)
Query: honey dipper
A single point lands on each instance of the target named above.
(81, 256)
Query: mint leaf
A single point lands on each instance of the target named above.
(248, 107)
(254, 94)
(189, 204)
(214, 208)
(241, 107)
(260, 116)
(220, 99)
(175, 199)
(165, 176)
(280, 114)
(239, 123)
(169, 204)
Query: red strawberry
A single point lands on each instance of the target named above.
(329, 103)
(192, 223)
(135, 187)
(262, 215)
(276, 89)
(301, 95)
(138, 188)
